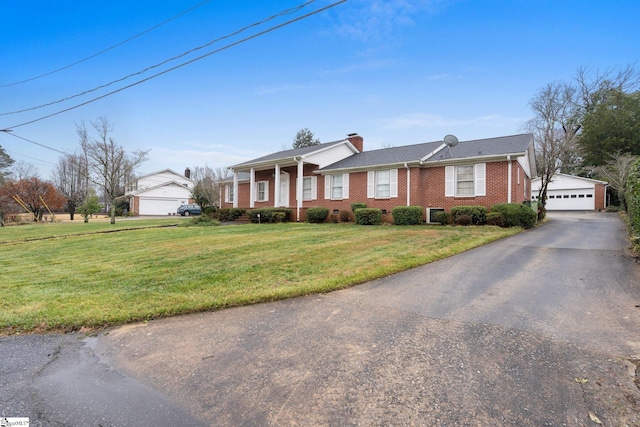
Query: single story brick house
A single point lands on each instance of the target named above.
(159, 193)
(573, 193)
(433, 175)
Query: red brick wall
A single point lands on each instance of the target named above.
(427, 190)
(600, 195)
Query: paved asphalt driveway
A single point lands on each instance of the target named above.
(538, 329)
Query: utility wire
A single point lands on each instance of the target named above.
(33, 142)
(285, 12)
(261, 33)
(107, 49)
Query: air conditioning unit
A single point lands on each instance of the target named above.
(430, 214)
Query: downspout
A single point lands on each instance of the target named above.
(408, 184)
(509, 183)
(299, 184)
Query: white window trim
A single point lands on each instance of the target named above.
(328, 187)
(479, 181)
(314, 187)
(372, 184)
(228, 193)
(266, 191)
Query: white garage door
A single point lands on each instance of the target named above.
(571, 200)
(158, 206)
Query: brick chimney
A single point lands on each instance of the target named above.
(357, 141)
(187, 173)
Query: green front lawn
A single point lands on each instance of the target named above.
(58, 277)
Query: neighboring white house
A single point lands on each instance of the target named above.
(572, 193)
(159, 193)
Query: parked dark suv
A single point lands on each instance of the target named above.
(189, 210)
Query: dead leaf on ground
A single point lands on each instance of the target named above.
(594, 418)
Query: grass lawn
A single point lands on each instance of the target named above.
(61, 277)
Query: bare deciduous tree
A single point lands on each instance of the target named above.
(207, 188)
(110, 167)
(616, 172)
(555, 130)
(71, 180)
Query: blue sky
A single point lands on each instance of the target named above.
(397, 72)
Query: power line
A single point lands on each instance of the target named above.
(261, 33)
(284, 12)
(33, 142)
(107, 49)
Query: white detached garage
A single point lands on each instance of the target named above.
(160, 193)
(572, 193)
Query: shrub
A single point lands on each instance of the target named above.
(368, 216)
(407, 215)
(201, 221)
(443, 218)
(478, 214)
(230, 214)
(334, 218)
(345, 216)
(317, 215)
(495, 218)
(632, 197)
(515, 215)
(269, 215)
(463, 220)
(211, 211)
(357, 205)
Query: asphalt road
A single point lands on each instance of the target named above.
(538, 329)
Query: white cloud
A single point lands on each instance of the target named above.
(376, 20)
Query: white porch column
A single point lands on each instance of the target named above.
(509, 183)
(299, 184)
(276, 191)
(252, 189)
(235, 189)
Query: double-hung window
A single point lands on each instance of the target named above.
(465, 180)
(382, 184)
(336, 187)
(228, 194)
(309, 188)
(262, 193)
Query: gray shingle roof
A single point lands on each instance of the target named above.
(412, 153)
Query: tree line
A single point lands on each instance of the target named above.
(588, 126)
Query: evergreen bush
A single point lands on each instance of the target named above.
(443, 218)
(230, 214)
(478, 214)
(407, 215)
(357, 205)
(495, 218)
(269, 215)
(632, 197)
(368, 216)
(516, 215)
(317, 215)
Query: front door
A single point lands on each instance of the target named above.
(284, 190)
